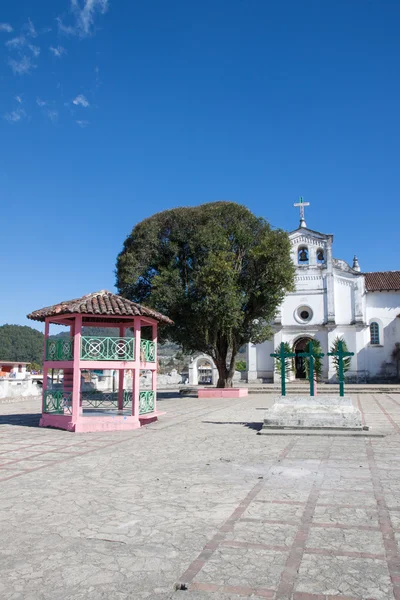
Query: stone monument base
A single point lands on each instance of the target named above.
(313, 412)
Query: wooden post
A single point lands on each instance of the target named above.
(282, 356)
(311, 356)
(341, 355)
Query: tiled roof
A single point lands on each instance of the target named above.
(382, 281)
(98, 303)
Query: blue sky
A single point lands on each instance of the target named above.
(111, 111)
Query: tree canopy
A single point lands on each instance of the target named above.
(216, 269)
(21, 343)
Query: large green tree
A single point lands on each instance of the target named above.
(19, 342)
(216, 269)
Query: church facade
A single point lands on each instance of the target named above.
(333, 299)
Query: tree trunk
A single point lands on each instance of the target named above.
(225, 374)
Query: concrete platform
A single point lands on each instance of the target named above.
(313, 412)
(348, 433)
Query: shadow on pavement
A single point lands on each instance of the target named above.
(166, 396)
(254, 426)
(23, 420)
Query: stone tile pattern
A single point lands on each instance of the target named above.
(199, 502)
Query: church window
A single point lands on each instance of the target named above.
(374, 333)
(320, 256)
(303, 255)
(303, 314)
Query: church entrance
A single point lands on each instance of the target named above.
(299, 367)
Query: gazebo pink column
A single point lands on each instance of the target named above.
(45, 368)
(76, 385)
(154, 373)
(121, 374)
(136, 372)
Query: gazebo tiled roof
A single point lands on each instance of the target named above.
(382, 281)
(97, 304)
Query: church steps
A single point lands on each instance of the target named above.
(328, 389)
(301, 389)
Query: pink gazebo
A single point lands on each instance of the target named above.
(68, 406)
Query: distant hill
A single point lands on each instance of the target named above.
(100, 331)
(20, 342)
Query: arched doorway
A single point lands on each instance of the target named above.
(205, 372)
(299, 362)
(202, 370)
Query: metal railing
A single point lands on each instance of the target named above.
(57, 402)
(146, 402)
(100, 348)
(97, 399)
(61, 349)
(107, 348)
(147, 351)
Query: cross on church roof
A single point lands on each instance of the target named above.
(302, 204)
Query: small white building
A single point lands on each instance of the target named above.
(12, 369)
(333, 299)
(16, 381)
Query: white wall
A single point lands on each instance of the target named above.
(384, 308)
(14, 388)
(293, 301)
(265, 362)
(344, 300)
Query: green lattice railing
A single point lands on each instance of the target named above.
(147, 351)
(146, 402)
(100, 348)
(57, 402)
(61, 349)
(97, 399)
(107, 348)
(104, 399)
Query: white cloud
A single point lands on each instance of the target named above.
(34, 49)
(52, 114)
(16, 43)
(23, 66)
(84, 12)
(82, 124)
(58, 51)
(40, 102)
(15, 115)
(30, 28)
(6, 27)
(80, 101)
(18, 99)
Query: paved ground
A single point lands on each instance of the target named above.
(199, 500)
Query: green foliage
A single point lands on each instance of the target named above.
(34, 366)
(100, 331)
(241, 365)
(335, 359)
(316, 345)
(19, 342)
(217, 270)
(289, 362)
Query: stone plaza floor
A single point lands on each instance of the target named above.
(198, 506)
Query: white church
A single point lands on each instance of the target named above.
(333, 299)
